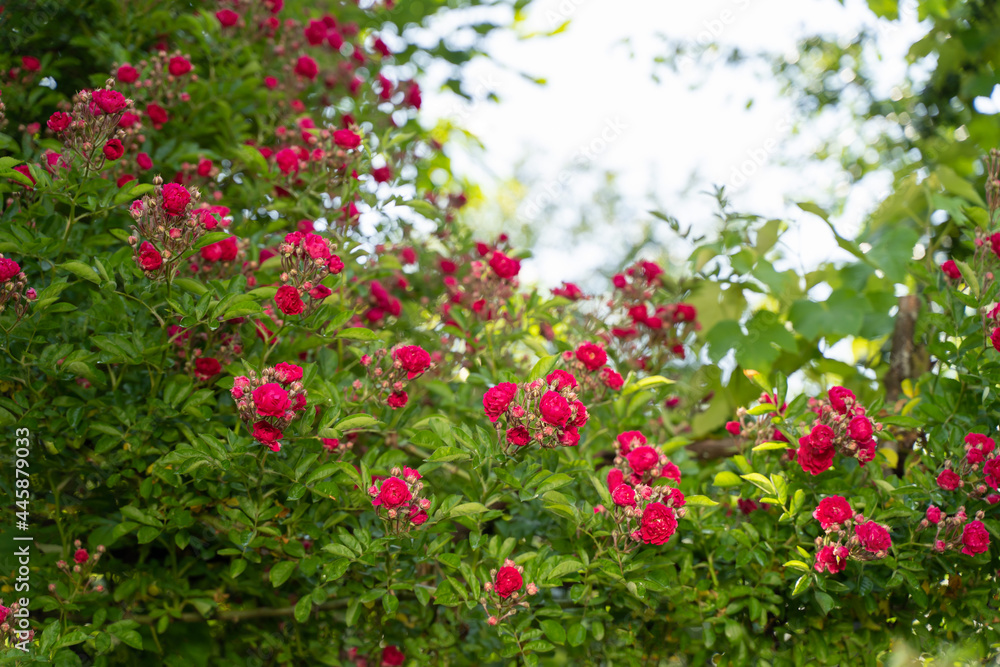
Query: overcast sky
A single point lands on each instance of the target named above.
(675, 138)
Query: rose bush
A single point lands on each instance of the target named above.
(285, 406)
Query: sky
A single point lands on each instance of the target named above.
(669, 141)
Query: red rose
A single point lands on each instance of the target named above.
(623, 496)
(815, 457)
(991, 472)
(508, 581)
(175, 199)
(980, 447)
(518, 436)
(685, 313)
(127, 74)
(860, 428)
(320, 292)
(504, 266)
(951, 269)
(832, 510)
(933, 514)
(994, 335)
(59, 121)
(393, 493)
(31, 63)
(630, 439)
(615, 479)
(346, 139)
(554, 408)
(157, 115)
(612, 379)
(206, 367)
(150, 258)
(873, 537)
(658, 524)
(306, 67)
(413, 359)
(227, 17)
(287, 160)
(8, 269)
(113, 150)
(642, 459)
(671, 471)
(81, 556)
(271, 400)
(570, 437)
(288, 300)
(975, 538)
(109, 101)
(561, 379)
(397, 399)
(144, 161)
(497, 399)
(580, 415)
(392, 656)
(592, 356)
(382, 174)
(568, 291)
(128, 120)
(948, 480)
(831, 558)
(334, 265)
(266, 434)
(287, 373)
(839, 397)
(179, 66)
(733, 428)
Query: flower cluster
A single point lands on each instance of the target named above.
(981, 456)
(306, 259)
(645, 509)
(486, 287)
(164, 219)
(841, 426)
(589, 360)
(269, 402)
(503, 597)
(92, 129)
(80, 573)
(953, 532)
(869, 540)
(14, 288)
(645, 329)
(397, 500)
(760, 429)
(406, 362)
(547, 413)
(14, 628)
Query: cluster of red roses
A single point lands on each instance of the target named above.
(91, 130)
(9, 634)
(644, 329)
(486, 287)
(79, 574)
(306, 259)
(380, 303)
(869, 541)
(14, 288)
(981, 454)
(759, 430)
(397, 500)
(391, 657)
(270, 401)
(643, 511)
(841, 426)
(589, 358)
(407, 362)
(547, 412)
(165, 219)
(223, 344)
(953, 531)
(503, 597)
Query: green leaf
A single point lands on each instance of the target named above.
(465, 509)
(358, 333)
(554, 631)
(576, 634)
(555, 481)
(797, 565)
(726, 478)
(969, 276)
(281, 571)
(646, 383)
(82, 270)
(769, 446)
(303, 608)
(543, 367)
(190, 285)
(700, 501)
(565, 567)
(236, 567)
(761, 482)
(825, 602)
